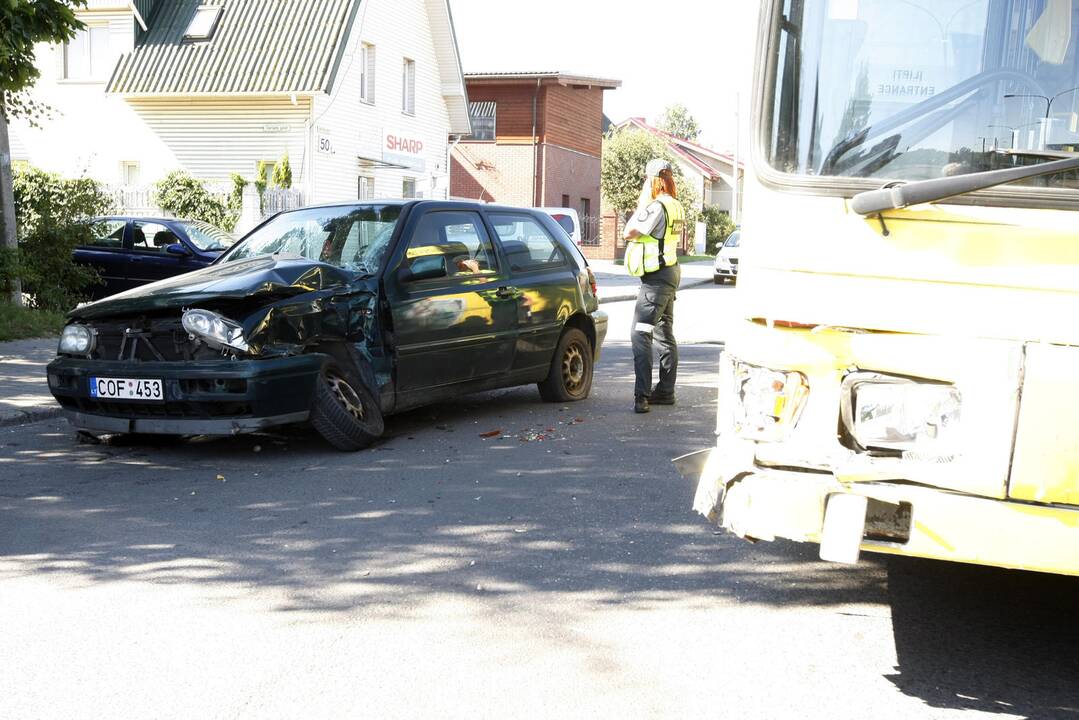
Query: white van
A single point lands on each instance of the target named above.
(568, 219)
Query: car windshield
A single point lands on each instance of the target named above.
(922, 89)
(352, 237)
(732, 240)
(207, 237)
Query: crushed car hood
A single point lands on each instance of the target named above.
(268, 276)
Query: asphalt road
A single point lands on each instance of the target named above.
(555, 571)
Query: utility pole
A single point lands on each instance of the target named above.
(737, 180)
(7, 204)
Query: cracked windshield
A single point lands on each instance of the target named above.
(914, 89)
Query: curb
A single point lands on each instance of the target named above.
(633, 296)
(31, 415)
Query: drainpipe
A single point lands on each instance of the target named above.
(535, 142)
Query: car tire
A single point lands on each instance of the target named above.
(570, 376)
(345, 413)
(717, 280)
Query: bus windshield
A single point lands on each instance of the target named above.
(919, 89)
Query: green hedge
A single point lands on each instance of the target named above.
(48, 214)
(181, 195)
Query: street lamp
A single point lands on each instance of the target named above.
(1048, 105)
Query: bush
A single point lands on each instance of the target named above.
(720, 226)
(185, 197)
(282, 174)
(17, 323)
(48, 211)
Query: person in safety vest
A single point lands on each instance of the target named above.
(652, 238)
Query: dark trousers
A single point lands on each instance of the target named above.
(654, 317)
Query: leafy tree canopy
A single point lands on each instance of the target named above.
(678, 122)
(625, 155)
(23, 23)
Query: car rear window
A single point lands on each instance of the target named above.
(565, 221)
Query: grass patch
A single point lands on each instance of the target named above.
(696, 258)
(17, 323)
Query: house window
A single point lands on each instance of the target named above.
(408, 188)
(365, 187)
(367, 73)
(129, 172)
(87, 56)
(565, 201)
(203, 23)
(408, 87)
(482, 117)
(588, 226)
(264, 170)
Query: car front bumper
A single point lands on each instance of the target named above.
(218, 397)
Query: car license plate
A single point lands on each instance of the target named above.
(126, 389)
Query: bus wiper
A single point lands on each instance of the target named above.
(927, 191)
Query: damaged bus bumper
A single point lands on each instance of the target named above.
(895, 518)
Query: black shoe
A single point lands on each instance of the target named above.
(640, 404)
(661, 399)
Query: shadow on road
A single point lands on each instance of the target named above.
(568, 499)
(986, 639)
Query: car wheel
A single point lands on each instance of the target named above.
(344, 412)
(570, 376)
(717, 279)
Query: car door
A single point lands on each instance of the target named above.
(105, 252)
(149, 260)
(544, 277)
(454, 316)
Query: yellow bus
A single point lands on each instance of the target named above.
(904, 374)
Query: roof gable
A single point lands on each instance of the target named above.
(257, 47)
(701, 158)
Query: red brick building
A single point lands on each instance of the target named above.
(536, 142)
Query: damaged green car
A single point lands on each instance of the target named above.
(338, 316)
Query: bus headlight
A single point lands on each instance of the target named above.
(768, 401)
(900, 414)
(76, 340)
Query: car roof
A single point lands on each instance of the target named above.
(422, 203)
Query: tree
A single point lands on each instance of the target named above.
(677, 121)
(625, 155)
(22, 24)
(282, 173)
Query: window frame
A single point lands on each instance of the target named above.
(88, 56)
(408, 87)
(205, 36)
(413, 195)
(547, 266)
(494, 249)
(367, 73)
(125, 236)
(155, 250)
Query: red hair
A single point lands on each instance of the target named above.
(664, 183)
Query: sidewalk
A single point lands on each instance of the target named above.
(615, 284)
(24, 392)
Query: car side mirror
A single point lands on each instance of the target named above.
(428, 267)
(178, 249)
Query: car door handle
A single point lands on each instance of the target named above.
(506, 292)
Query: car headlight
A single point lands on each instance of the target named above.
(768, 402)
(218, 332)
(901, 414)
(76, 340)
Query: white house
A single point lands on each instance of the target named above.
(363, 95)
(711, 173)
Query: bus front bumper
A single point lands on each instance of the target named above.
(884, 517)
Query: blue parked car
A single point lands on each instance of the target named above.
(133, 251)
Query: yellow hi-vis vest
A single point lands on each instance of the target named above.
(645, 254)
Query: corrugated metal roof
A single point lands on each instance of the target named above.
(481, 109)
(258, 46)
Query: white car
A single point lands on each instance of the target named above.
(568, 219)
(726, 267)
